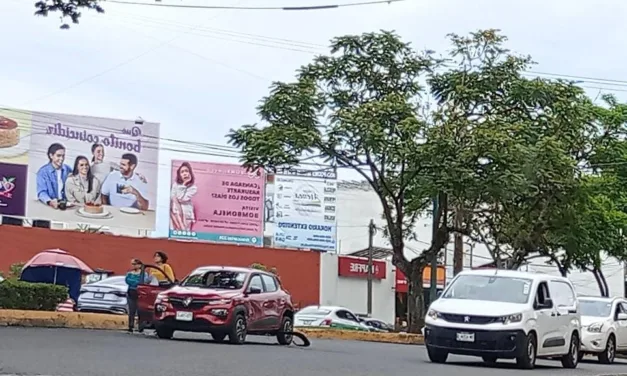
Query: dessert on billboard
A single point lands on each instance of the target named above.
(15, 129)
(216, 202)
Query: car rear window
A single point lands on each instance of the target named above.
(314, 311)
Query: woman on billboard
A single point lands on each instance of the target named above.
(183, 190)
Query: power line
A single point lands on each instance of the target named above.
(280, 8)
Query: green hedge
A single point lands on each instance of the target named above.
(31, 296)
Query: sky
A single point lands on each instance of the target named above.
(202, 72)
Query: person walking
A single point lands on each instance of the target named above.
(133, 279)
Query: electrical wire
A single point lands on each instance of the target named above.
(274, 8)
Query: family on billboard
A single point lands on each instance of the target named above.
(91, 182)
(104, 170)
(229, 208)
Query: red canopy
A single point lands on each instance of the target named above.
(57, 257)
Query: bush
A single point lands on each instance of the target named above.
(31, 296)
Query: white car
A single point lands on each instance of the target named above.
(328, 316)
(604, 327)
(505, 314)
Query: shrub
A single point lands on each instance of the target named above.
(31, 296)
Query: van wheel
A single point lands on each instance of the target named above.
(609, 354)
(526, 358)
(237, 333)
(284, 335)
(571, 359)
(164, 332)
(436, 356)
(489, 359)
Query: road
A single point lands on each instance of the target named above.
(63, 352)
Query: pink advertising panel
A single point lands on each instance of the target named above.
(216, 202)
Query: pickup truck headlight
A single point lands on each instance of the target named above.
(433, 314)
(512, 318)
(596, 327)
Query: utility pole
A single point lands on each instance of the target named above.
(371, 231)
(433, 287)
(458, 252)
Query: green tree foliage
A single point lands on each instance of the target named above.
(507, 151)
(66, 9)
(361, 108)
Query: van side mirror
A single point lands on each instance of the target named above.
(622, 316)
(548, 303)
(438, 294)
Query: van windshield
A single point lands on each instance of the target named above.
(490, 288)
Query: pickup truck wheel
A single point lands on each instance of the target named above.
(218, 337)
(609, 354)
(287, 326)
(571, 359)
(437, 355)
(526, 358)
(164, 332)
(237, 333)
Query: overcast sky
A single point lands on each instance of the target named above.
(201, 72)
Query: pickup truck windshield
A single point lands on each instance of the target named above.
(216, 279)
(490, 288)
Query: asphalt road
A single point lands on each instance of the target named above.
(62, 352)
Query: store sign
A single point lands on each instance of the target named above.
(358, 267)
(305, 210)
(401, 281)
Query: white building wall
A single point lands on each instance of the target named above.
(352, 293)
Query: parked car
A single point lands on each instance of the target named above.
(104, 296)
(604, 327)
(223, 301)
(505, 314)
(329, 316)
(377, 325)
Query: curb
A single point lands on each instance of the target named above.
(76, 320)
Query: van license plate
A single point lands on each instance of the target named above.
(466, 337)
(184, 316)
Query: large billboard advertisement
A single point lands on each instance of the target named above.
(305, 209)
(216, 202)
(71, 168)
(15, 129)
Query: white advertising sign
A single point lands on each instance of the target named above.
(305, 210)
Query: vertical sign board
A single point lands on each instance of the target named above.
(305, 209)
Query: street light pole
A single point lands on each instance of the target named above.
(433, 286)
(371, 231)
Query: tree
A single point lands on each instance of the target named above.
(359, 107)
(67, 9)
(512, 145)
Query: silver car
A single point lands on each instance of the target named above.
(104, 296)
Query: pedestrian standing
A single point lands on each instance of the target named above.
(161, 260)
(133, 279)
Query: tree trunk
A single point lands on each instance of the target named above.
(597, 277)
(415, 299)
(604, 281)
(458, 253)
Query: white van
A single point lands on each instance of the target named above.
(505, 314)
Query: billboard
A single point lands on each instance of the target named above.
(97, 171)
(216, 202)
(15, 129)
(305, 209)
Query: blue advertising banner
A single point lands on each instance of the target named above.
(305, 210)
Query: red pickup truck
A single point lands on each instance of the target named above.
(220, 300)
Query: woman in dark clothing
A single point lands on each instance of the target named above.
(133, 279)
